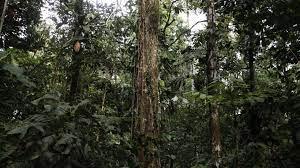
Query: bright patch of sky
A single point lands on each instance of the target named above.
(192, 18)
(195, 20)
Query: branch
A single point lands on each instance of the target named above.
(186, 32)
(168, 23)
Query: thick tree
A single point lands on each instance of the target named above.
(77, 48)
(3, 10)
(212, 78)
(249, 39)
(146, 85)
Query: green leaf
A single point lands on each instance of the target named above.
(13, 69)
(162, 83)
(65, 139)
(39, 127)
(18, 72)
(203, 96)
(20, 130)
(47, 107)
(25, 81)
(3, 55)
(46, 97)
(173, 157)
(35, 155)
(67, 150)
(47, 141)
(259, 99)
(61, 109)
(8, 151)
(86, 28)
(82, 103)
(87, 149)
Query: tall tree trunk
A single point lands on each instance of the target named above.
(146, 85)
(253, 118)
(76, 58)
(251, 66)
(211, 79)
(3, 10)
(253, 124)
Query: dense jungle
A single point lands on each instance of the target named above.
(149, 83)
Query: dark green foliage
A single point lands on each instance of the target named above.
(21, 19)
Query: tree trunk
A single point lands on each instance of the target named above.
(146, 103)
(76, 58)
(253, 118)
(212, 90)
(3, 10)
(251, 68)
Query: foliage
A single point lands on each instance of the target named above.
(19, 30)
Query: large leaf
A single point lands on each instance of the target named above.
(3, 55)
(82, 103)
(8, 151)
(18, 72)
(22, 130)
(47, 141)
(35, 121)
(65, 139)
(47, 97)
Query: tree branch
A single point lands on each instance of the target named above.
(186, 32)
(168, 23)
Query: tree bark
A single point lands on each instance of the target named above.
(212, 90)
(76, 58)
(4, 6)
(254, 121)
(146, 102)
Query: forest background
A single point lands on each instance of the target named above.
(170, 83)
